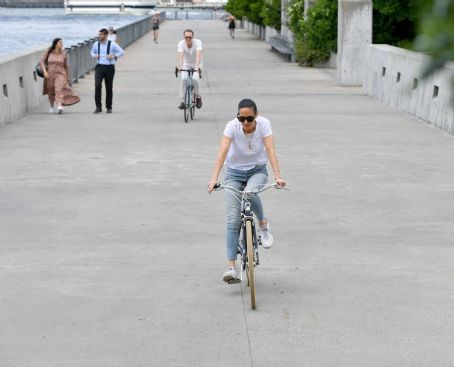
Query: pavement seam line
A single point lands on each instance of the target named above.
(246, 325)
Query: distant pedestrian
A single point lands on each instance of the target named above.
(106, 53)
(57, 83)
(232, 26)
(113, 36)
(155, 22)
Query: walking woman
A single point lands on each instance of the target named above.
(155, 21)
(246, 147)
(54, 64)
(232, 26)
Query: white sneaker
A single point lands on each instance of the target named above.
(266, 236)
(60, 110)
(232, 276)
(51, 110)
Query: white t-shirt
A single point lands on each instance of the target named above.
(247, 151)
(189, 54)
(112, 37)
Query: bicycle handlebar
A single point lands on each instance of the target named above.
(190, 70)
(220, 186)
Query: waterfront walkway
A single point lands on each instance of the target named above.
(112, 252)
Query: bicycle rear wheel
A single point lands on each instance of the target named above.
(187, 103)
(250, 262)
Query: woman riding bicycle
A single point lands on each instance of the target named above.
(246, 147)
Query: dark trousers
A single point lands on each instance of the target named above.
(106, 73)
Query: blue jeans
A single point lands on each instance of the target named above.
(255, 177)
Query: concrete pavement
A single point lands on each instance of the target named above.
(111, 251)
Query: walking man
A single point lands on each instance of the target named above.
(189, 57)
(106, 53)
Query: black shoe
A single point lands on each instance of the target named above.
(109, 110)
(198, 102)
(181, 106)
(98, 110)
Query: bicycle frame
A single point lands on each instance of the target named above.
(248, 243)
(189, 96)
(246, 215)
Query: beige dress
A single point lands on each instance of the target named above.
(57, 85)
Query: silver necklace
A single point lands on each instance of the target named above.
(249, 138)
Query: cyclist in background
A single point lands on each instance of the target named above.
(246, 147)
(189, 57)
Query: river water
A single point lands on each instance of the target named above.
(24, 28)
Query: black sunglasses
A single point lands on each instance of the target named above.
(188, 37)
(245, 118)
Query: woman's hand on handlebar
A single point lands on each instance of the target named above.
(212, 185)
(280, 182)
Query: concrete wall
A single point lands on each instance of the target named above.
(270, 32)
(258, 30)
(393, 76)
(21, 89)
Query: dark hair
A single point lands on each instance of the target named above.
(189, 30)
(104, 31)
(54, 44)
(247, 103)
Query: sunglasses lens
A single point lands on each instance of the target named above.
(246, 118)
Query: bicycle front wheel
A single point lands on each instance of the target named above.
(192, 109)
(250, 262)
(187, 104)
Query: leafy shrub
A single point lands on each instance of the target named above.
(315, 37)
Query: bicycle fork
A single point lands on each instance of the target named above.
(242, 243)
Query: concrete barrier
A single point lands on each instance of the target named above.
(256, 29)
(270, 32)
(393, 76)
(21, 88)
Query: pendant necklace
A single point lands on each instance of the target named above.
(249, 138)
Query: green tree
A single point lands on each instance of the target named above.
(237, 8)
(295, 15)
(394, 21)
(250, 9)
(271, 14)
(436, 33)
